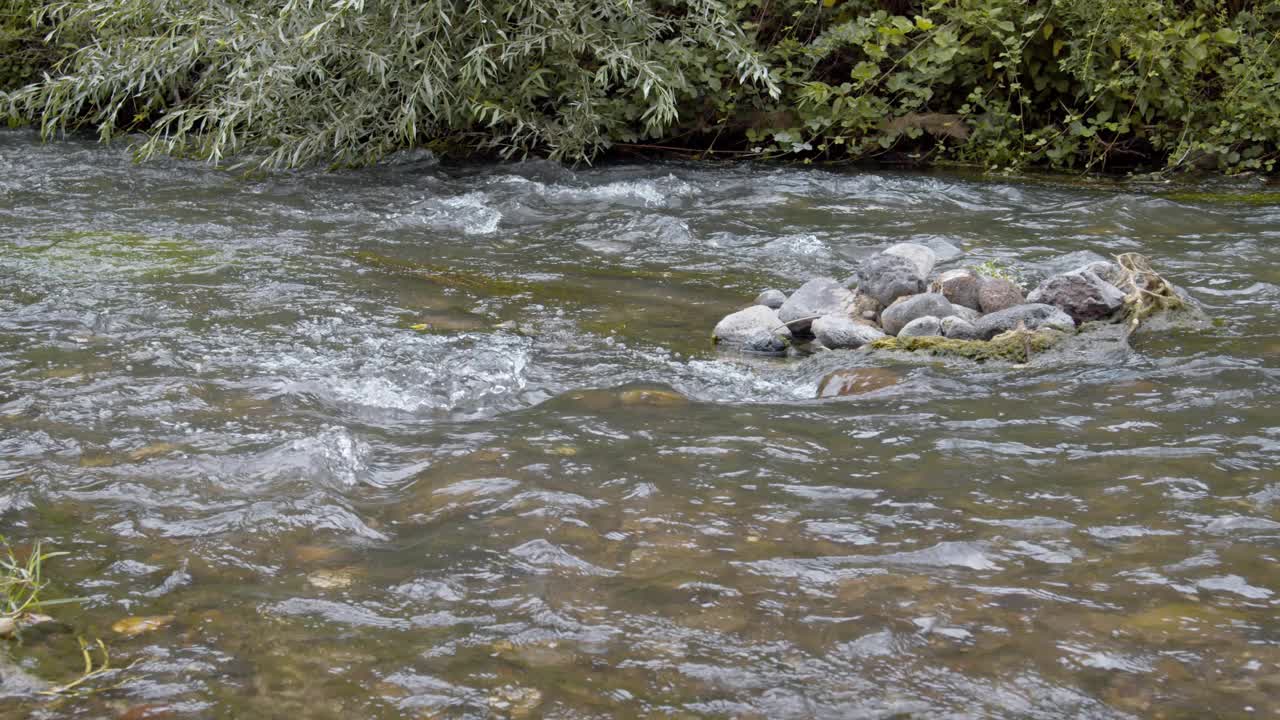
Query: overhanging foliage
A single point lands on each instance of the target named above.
(1002, 83)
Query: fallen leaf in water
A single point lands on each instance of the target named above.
(131, 626)
(565, 450)
(419, 326)
(150, 451)
(91, 461)
(331, 579)
(516, 702)
(311, 554)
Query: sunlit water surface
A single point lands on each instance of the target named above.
(420, 441)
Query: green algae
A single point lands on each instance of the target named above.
(1015, 346)
(614, 280)
(752, 281)
(440, 274)
(1256, 199)
(117, 251)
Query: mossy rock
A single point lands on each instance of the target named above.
(1153, 306)
(1015, 346)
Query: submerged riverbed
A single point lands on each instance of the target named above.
(418, 441)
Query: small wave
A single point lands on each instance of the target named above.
(662, 192)
(470, 212)
(541, 556)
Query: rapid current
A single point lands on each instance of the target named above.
(428, 441)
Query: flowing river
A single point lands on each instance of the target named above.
(424, 441)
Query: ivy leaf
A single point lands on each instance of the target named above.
(864, 71)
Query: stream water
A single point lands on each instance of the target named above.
(425, 441)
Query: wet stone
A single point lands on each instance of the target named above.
(958, 328)
(772, 299)
(1081, 294)
(959, 287)
(1025, 317)
(998, 294)
(896, 317)
(841, 332)
(888, 277)
(922, 257)
(818, 297)
(921, 327)
(756, 329)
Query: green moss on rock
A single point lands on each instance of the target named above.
(1015, 346)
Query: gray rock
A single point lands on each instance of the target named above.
(922, 257)
(958, 328)
(841, 331)
(771, 298)
(945, 251)
(959, 286)
(756, 329)
(1106, 270)
(921, 326)
(896, 317)
(996, 294)
(888, 277)
(1081, 294)
(965, 313)
(1031, 317)
(820, 296)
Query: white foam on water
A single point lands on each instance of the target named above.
(648, 193)
(470, 212)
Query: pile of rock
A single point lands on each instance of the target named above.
(896, 294)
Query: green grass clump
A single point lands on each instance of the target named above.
(22, 586)
(997, 269)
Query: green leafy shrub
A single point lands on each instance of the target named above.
(349, 81)
(23, 53)
(1003, 83)
(1067, 84)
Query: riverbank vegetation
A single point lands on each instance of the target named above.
(1062, 84)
